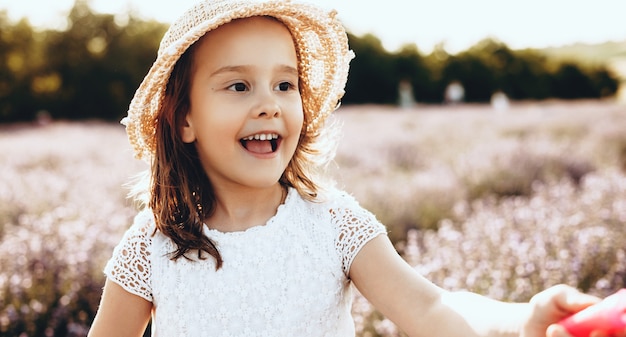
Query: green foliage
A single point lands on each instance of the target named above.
(521, 75)
(100, 63)
(89, 70)
(488, 67)
(18, 44)
(411, 66)
(93, 67)
(371, 72)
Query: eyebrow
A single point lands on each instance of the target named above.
(242, 68)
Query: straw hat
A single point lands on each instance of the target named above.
(321, 45)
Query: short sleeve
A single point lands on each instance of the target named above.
(130, 265)
(356, 225)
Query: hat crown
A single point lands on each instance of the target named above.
(319, 38)
(203, 11)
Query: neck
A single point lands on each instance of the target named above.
(239, 208)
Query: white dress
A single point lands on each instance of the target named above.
(286, 278)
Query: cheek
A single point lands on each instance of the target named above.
(295, 124)
(299, 122)
(199, 130)
(298, 117)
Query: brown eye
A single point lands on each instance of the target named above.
(238, 87)
(284, 86)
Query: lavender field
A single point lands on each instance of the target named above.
(503, 203)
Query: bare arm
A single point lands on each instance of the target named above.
(120, 313)
(420, 308)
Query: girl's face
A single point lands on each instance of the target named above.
(246, 112)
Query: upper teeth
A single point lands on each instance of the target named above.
(262, 136)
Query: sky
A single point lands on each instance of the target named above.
(458, 24)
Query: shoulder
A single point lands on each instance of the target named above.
(142, 228)
(143, 223)
(335, 198)
(354, 225)
(346, 211)
(139, 234)
(333, 205)
(130, 265)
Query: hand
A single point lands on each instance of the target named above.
(550, 306)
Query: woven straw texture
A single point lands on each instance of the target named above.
(321, 45)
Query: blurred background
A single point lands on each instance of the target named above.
(498, 165)
(88, 63)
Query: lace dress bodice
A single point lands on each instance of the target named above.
(285, 278)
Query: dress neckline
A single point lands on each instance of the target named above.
(272, 222)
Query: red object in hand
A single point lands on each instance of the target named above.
(608, 316)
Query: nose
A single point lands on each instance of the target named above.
(267, 106)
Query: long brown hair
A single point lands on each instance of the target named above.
(181, 195)
(180, 190)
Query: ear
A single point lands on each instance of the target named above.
(188, 134)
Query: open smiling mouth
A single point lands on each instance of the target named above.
(261, 143)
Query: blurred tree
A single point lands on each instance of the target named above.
(99, 62)
(528, 78)
(411, 66)
(18, 45)
(436, 62)
(474, 75)
(520, 75)
(490, 66)
(570, 81)
(372, 74)
(604, 82)
(92, 68)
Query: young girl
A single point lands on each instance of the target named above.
(240, 236)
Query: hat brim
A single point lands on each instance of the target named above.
(321, 45)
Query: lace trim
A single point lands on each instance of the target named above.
(357, 226)
(130, 265)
